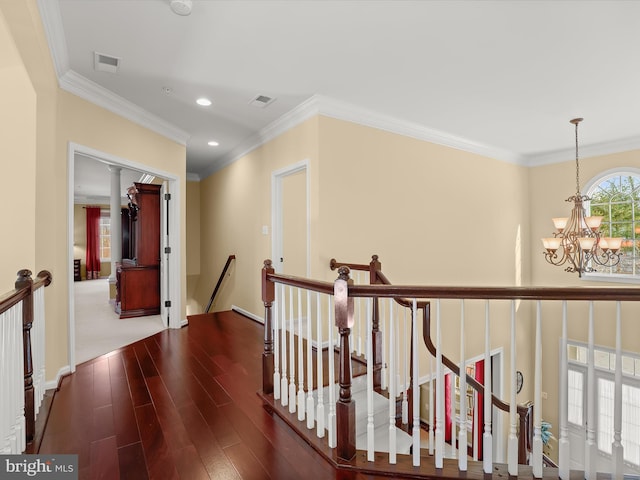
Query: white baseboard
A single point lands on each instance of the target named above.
(66, 370)
(246, 313)
(184, 322)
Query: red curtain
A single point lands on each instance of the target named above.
(480, 409)
(93, 242)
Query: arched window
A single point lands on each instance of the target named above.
(615, 195)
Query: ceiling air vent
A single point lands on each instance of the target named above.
(261, 101)
(105, 63)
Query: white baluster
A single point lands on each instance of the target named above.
(405, 351)
(513, 407)
(276, 343)
(301, 400)
(416, 388)
(462, 435)
(392, 386)
(383, 373)
(358, 316)
(310, 405)
(439, 433)
(536, 460)
(563, 443)
(476, 426)
(452, 409)
(591, 449)
(332, 382)
(487, 438)
(617, 449)
(432, 411)
(370, 424)
(284, 383)
(292, 356)
(320, 426)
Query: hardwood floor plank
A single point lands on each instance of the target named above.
(124, 419)
(175, 433)
(248, 467)
(103, 425)
(211, 454)
(131, 462)
(104, 460)
(157, 454)
(137, 385)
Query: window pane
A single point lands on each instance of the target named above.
(627, 365)
(631, 423)
(601, 359)
(617, 199)
(605, 414)
(575, 397)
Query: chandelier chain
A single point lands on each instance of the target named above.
(577, 164)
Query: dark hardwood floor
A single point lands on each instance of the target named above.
(181, 404)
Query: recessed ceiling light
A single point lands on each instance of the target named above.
(213, 143)
(205, 102)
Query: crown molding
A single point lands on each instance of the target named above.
(586, 151)
(329, 107)
(52, 24)
(81, 86)
(193, 177)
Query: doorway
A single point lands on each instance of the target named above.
(170, 293)
(290, 219)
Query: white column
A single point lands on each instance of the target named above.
(310, 402)
(116, 221)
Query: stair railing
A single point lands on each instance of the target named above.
(284, 306)
(217, 287)
(22, 372)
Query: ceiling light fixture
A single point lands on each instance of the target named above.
(205, 102)
(213, 143)
(181, 7)
(577, 239)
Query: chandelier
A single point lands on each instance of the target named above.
(577, 241)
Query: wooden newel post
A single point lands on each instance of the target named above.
(345, 406)
(25, 280)
(374, 267)
(268, 296)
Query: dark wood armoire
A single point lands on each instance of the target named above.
(138, 277)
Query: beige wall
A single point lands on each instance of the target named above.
(39, 146)
(193, 245)
(235, 204)
(18, 159)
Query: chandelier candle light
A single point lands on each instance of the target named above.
(577, 240)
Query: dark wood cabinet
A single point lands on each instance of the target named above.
(138, 275)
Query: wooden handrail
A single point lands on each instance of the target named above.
(217, 287)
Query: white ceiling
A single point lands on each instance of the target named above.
(502, 78)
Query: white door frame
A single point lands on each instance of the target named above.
(276, 212)
(174, 229)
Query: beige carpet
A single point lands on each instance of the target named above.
(99, 330)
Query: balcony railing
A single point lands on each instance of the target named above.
(354, 363)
